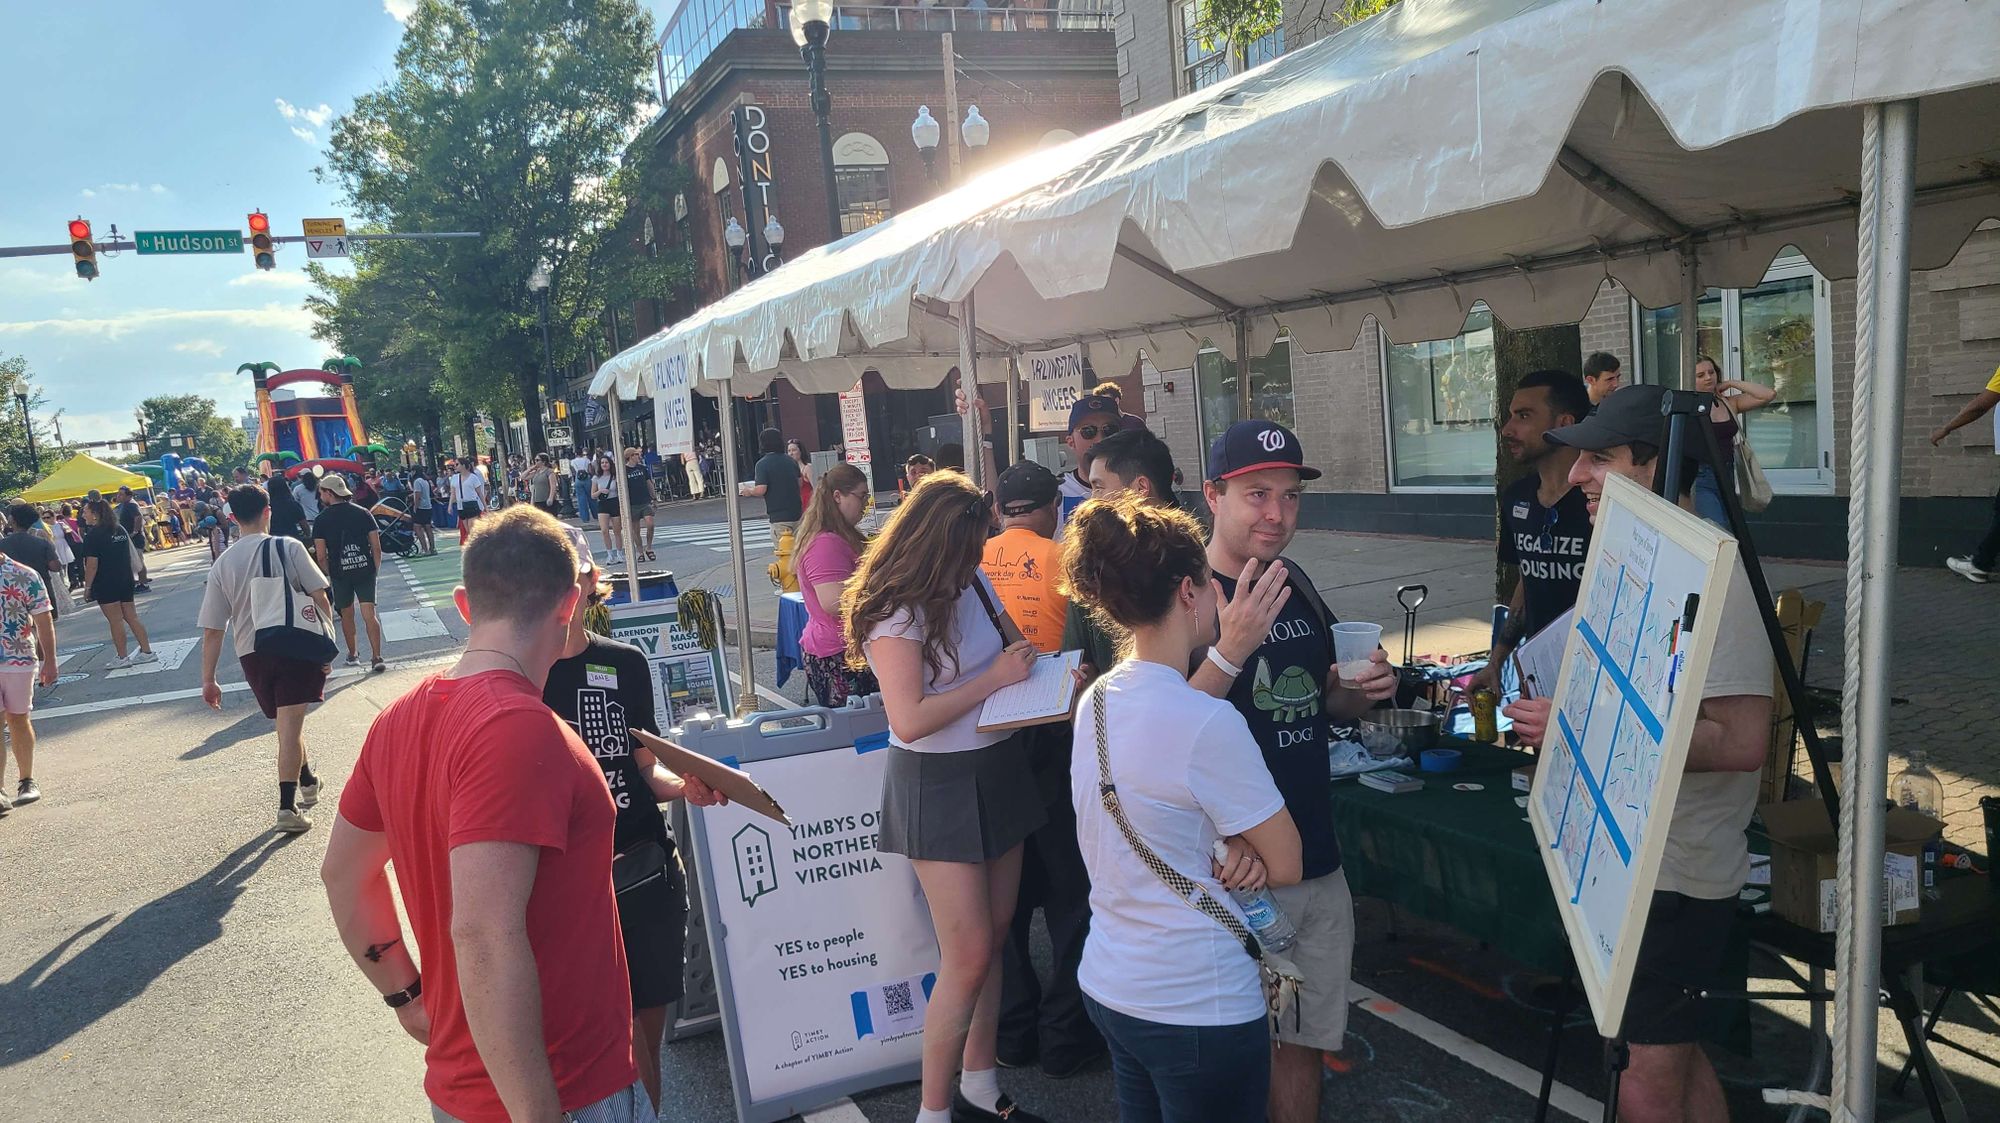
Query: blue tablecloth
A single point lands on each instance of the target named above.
(791, 625)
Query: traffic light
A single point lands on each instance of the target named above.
(84, 248)
(559, 409)
(261, 245)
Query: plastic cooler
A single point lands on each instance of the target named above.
(653, 585)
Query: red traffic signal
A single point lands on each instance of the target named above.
(261, 245)
(83, 248)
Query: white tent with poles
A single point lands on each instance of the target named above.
(1510, 152)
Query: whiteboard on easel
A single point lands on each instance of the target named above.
(1624, 712)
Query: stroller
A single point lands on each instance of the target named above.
(397, 537)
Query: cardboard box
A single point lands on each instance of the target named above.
(1524, 778)
(1805, 863)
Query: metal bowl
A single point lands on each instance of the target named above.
(1413, 730)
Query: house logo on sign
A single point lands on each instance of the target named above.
(754, 874)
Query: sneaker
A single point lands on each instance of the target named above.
(378, 666)
(293, 822)
(6, 804)
(308, 796)
(353, 660)
(146, 657)
(27, 793)
(1964, 568)
(119, 662)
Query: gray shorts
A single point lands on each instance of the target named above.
(627, 1105)
(1323, 911)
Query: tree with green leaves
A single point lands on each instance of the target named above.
(510, 120)
(17, 468)
(1243, 22)
(216, 439)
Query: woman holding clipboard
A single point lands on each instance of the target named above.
(956, 801)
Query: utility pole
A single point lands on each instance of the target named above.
(951, 107)
(28, 424)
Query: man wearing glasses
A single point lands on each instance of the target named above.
(1601, 375)
(1093, 418)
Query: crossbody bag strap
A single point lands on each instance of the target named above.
(993, 612)
(1194, 896)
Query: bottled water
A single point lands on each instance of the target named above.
(1267, 921)
(1917, 788)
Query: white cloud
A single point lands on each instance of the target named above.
(207, 347)
(123, 189)
(277, 316)
(158, 189)
(271, 279)
(400, 10)
(314, 119)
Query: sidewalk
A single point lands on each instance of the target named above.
(1946, 630)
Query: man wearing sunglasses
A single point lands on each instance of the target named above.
(1093, 418)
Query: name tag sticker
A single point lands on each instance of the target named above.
(1520, 510)
(595, 675)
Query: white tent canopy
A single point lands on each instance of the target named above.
(1446, 152)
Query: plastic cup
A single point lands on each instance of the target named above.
(1353, 644)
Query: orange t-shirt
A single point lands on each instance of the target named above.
(1022, 566)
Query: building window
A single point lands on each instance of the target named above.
(1205, 60)
(861, 181)
(1439, 402)
(1778, 333)
(1219, 396)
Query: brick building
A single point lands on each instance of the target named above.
(1037, 76)
(1407, 441)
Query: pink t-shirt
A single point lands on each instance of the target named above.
(828, 559)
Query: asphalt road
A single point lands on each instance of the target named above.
(167, 957)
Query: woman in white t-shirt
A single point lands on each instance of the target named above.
(468, 496)
(955, 801)
(1178, 999)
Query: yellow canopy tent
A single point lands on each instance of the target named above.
(79, 475)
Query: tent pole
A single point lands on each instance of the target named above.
(1242, 325)
(968, 380)
(625, 538)
(1867, 757)
(1690, 315)
(746, 698)
(1013, 409)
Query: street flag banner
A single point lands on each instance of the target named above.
(1055, 382)
(673, 411)
(823, 949)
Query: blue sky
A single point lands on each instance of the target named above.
(170, 117)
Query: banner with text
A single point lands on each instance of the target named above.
(828, 948)
(854, 431)
(1055, 382)
(673, 412)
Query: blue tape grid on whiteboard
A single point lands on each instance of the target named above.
(1629, 700)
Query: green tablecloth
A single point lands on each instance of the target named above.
(1466, 859)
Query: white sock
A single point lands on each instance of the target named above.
(981, 1089)
(933, 1115)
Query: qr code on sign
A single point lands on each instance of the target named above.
(896, 999)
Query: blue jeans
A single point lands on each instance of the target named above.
(1708, 498)
(585, 509)
(1186, 1074)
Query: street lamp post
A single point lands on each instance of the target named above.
(974, 130)
(925, 131)
(774, 237)
(28, 424)
(735, 237)
(812, 21)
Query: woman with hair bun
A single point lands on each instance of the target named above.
(955, 801)
(1177, 996)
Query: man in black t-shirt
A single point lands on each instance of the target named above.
(1274, 663)
(604, 689)
(776, 479)
(348, 545)
(1544, 526)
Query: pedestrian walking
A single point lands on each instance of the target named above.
(830, 545)
(542, 484)
(133, 521)
(604, 497)
(639, 493)
(348, 545)
(32, 548)
(1978, 566)
(579, 488)
(468, 497)
(501, 829)
(251, 590)
(107, 572)
(775, 479)
(423, 513)
(1731, 399)
(27, 656)
(604, 689)
(1163, 774)
(956, 801)
(287, 517)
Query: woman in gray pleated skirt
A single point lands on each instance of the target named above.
(955, 801)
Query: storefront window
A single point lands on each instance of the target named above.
(1270, 390)
(1440, 402)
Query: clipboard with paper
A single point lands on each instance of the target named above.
(732, 782)
(1538, 661)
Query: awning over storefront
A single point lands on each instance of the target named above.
(1440, 154)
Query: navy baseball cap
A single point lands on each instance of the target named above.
(1093, 403)
(1025, 487)
(1630, 413)
(1251, 446)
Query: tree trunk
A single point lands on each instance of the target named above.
(531, 408)
(1516, 353)
(433, 439)
(472, 435)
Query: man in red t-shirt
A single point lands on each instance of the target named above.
(500, 827)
